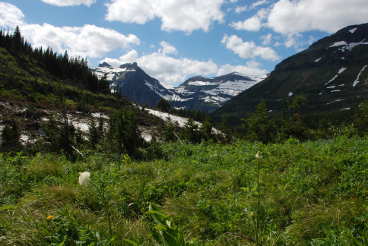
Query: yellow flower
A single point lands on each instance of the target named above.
(50, 217)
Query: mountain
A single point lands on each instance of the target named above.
(208, 94)
(131, 81)
(332, 74)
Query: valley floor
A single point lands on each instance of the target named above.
(312, 193)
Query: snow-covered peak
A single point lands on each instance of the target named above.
(201, 93)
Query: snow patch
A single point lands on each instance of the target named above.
(335, 101)
(357, 80)
(318, 60)
(345, 109)
(341, 70)
(353, 30)
(100, 115)
(339, 43)
(181, 121)
(199, 83)
(344, 46)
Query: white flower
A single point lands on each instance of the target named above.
(84, 178)
(258, 155)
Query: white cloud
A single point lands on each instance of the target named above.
(259, 3)
(172, 70)
(167, 48)
(240, 9)
(64, 3)
(254, 23)
(289, 16)
(10, 15)
(86, 41)
(248, 49)
(267, 39)
(182, 15)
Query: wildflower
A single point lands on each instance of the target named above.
(50, 217)
(84, 178)
(258, 155)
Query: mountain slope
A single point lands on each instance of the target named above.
(332, 74)
(131, 81)
(208, 94)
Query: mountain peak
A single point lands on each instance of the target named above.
(104, 64)
(133, 65)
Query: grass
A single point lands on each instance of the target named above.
(312, 193)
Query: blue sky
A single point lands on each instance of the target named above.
(175, 39)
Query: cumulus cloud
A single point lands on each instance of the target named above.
(167, 48)
(248, 50)
(173, 70)
(86, 41)
(307, 15)
(254, 23)
(64, 3)
(181, 15)
(10, 15)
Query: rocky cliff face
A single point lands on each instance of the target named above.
(131, 81)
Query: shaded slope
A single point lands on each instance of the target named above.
(332, 74)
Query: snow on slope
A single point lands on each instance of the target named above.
(357, 80)
(180, 121)
(341, 70)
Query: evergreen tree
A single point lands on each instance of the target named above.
(124, 136)
(94, 135)
(206, 130)
(259, 125)
(191, 132)
(10, 137)
(164, 105)
(361, 118)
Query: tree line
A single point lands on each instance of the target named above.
(72, 70)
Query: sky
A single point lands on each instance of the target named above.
(173, 40)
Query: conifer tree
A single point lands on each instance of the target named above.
(10, 137)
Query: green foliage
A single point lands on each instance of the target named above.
(294, 193)
(361, 118)
(259, 125)
(164, 232)
(10, 137)
(123, 135)
(164, 105)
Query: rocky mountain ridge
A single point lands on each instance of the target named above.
(196, 93)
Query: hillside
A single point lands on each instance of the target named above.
(331, 74)
(33, 93)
